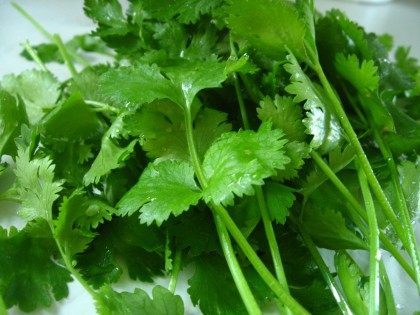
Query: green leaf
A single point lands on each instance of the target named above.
(163, 189)
(38, 90)
(123, 245)
(77, 215)
(12, 116)
(190, 77)
(279, 199)
(108, 14)
(210, 275)
(363, 76)
(136, 85)
(239, 160)
(72, 120)
(29, 276)
(36, 187)
(284, 114)
(111, 156)
(269, 26)
(163, 302)
(297, 152)
(184, 11)
(326, 225)
(161, 128)
(320, 121)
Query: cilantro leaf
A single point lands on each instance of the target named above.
(161, 128)
(38, 90)
(29, 276)
(108, 14)
(36, 187)
(269, 26)
(111, 156)
(184, 11)
(320, 121)
(109, 302)
(72, 119)
(77, 215)
(12, 116)
(123, 244)
(211, 274)
(285, 115)
(327, 226)
(163, 189)
(279, 199)
(145, 85)
(239, 160)
(363, 76)
(297, 152)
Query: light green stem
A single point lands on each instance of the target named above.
(246, 248)
(360, 211)
(326, 274)
(363, 160)
(402, 205)
(175, 271)
(35, 56)
(64, 54)
(374, 253)
(233, 264)
(387, 289)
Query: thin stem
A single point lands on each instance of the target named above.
(235, 269)
(255, 261)
(374, 252)
(64, 54)
(34, 22)
(175, 271)
(34, 56)
(69, 265)
(387, 289)
(102, 106)
(247, 249)
(229, 253)
(326, 274)
(268, 227)
(253, 91)
(360, 211)
(402, 205)
(271, 238)
(45, 33)
(363, 160)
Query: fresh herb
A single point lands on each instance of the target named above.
(233, 137)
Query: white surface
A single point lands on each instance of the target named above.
(400, 19)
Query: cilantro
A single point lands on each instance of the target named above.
(139, 167)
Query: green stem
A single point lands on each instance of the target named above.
(268, 227)
(34, 56)
(374, 252)
(235, 269)
(363, 160)
(271, 238)
(247, 249)
(45, 33)
(64, 54)
(326, 274)
(175, 271)
(402, 205)
(102, 106)
(69, 266)
(386, 288)
(360, 211)
(229, 253)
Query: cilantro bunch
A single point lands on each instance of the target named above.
(229, 139)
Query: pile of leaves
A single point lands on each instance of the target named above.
(229, 138)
